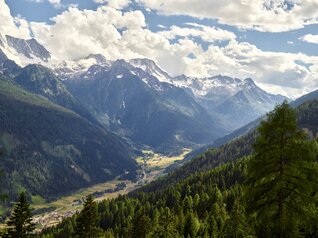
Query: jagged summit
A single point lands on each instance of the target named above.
(215, 94)
(23, 51)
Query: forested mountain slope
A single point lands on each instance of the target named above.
(40, 80)
(201, 199)
(51, 150)
(307, 117)
(198, 206)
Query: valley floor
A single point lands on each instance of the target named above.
(152, 166)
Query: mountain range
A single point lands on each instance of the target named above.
(111, 110)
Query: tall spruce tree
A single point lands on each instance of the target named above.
(166, 226)
(192, 225)
(20, 222)
(281, 174)
(141, 226)
(87, 220)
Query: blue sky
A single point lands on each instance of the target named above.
(281, 41)
(273, 41)
(43, 11)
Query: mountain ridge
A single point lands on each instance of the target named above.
(223, 102)
(142, 105)
(54, 150)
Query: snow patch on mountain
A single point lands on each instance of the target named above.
(151, 68)
(74, 68)
(24, 52)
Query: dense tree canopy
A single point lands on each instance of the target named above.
(87, 220)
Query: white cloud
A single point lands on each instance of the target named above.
(310, 38)
(124, 35)
(14, 26)
(117, 4)
(276, 69)
(55, 3)
(87, 30)
(161, 26)
(206, 33)
(76, 33)
(262, 15)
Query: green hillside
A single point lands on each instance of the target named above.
(204, 198)
(52, 151)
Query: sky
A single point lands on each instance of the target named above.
(274, 42)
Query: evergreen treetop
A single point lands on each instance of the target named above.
(20, 222)
(281, 174)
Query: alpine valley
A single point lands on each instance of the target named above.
(83, 122)
(158, 119)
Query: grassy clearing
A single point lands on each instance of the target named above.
(37, 200)
(155, 161)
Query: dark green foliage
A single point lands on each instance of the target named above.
(207, 161)
(87, 220)
(191, 226)
(237, 225)
(307, 116)
(141, 225)
(42, 81)
(20, 222)
(166, 227)
(196, 206)
(281, 175)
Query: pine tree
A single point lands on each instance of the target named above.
(141, 226)
(192, 225)
(67, 230)
(280, 174)
(237, 226)
(20, 222)
(166, 226)
(87, 220)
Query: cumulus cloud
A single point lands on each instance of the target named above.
(124, 35)
(292, 73)
(206, 33)
(14, 26)
(118, 34)
(310, 38)
(117, 4)
(262, 15)
(91, 31)
(55, 3)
